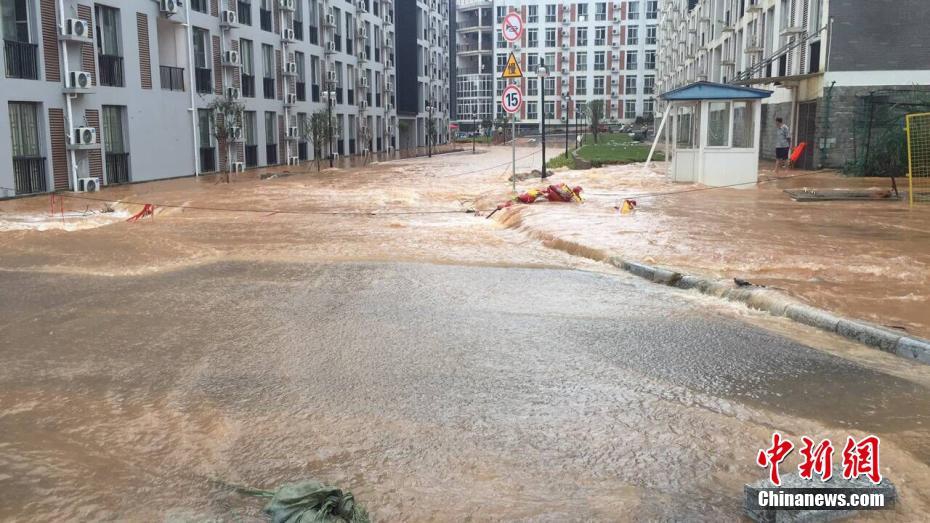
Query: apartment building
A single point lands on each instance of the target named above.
(592, 51)
(475, 68)
(119, 90)
(820, 57)
(423, 71)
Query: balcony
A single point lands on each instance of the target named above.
(204, 78)
(117, 167)
(111, 70)
(172, 78)
(244, 12)
(268, 88)
(29, 174)
(264, 16)
(21, 60)
(248, 86)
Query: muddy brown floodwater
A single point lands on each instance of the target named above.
(360, 327)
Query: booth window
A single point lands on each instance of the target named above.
(718, 128)
(743, 128)
(686, 123)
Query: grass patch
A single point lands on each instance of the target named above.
(561, 160)
(615, 149)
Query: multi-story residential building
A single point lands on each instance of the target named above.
(423, 93)
(820, 57)
(474, 68)
(119, 91)
(592, 50)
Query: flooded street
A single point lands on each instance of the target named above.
(363, 328)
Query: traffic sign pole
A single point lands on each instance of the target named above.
(512, 98)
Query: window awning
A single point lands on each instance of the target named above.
(714, 91)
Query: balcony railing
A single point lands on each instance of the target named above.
(248, 86)
(21, 60)
(117, 167)
(302, 91)
(244, 12)
(172, 78)
(207, 159)
(271, 154)
(251, 155)
(29, 174)
(111, 70)
(264, 16)
(204, 80)
(268, 88)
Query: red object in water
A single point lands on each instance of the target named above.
(798, 151)
(147, 210)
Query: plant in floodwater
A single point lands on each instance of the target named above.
(595, 110)
(308, 501)
(226, 121)
(316, 130)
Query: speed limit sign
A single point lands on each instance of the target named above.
(512, 98)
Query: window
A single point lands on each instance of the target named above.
(250, 135)
(501, 13)
(650, 60)
(581, 86)
(718, 124)
(264, 15)
(549, 112)
(550, 13)
(532, 14)
(599, 61)
(629, 109)
(651, 35)
(649, 84)
(532, 38)
(268, 71)
(686, 127)
(630, 85)
(202, 75)
(244, 11)
(117, 154)
(501, 61)
(581, 61)
(600, 36)
(550, 86)
(579, 109)
(531, 61)
(632, 12)
(632, 35)
(21, 56)
(531, 113)
(501, 43)
(271, 138)
(600, 11)
(532, 86)
(109, 46)
(15, 19)
(649, 108)
(199, 5)
(248, 68)
(631, 60)
(581, 36)
(301, 83)
(205, 140)
(743, 125)
(652, 9)
(28, 163)
(550, 37)
(598, 85)
(582, 11)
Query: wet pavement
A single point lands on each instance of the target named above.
(362, 327)
(434, 392)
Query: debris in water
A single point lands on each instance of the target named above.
(309, 501)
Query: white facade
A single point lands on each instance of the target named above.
(475, 70)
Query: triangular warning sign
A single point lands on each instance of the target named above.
(512, 69)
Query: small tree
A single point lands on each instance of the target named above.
(595, 110)
(486, 124)
(316, 131)
(225, 118)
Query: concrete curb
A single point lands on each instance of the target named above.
(777, 304)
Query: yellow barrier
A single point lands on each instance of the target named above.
(918, 158)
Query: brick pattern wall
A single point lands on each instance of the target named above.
(279, 69)
(50, 41)
(879, 35)
(215, 7)
(56, 128)
(95, 157)
(145, 61)
(237, 72)
(88, 53)
(217, 67)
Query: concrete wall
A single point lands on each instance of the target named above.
(879, 35)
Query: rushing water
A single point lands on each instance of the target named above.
(140, 362)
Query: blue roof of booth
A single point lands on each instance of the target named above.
(714, 91)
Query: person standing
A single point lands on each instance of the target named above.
(782, 144)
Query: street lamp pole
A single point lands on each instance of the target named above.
(429, 134)
(542, 74)
(568, 101)
(329, 119)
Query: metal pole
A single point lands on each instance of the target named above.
(542, 113)
(513, 148)
(329, 119)
(429, 135)
(566, 134)
(474, 132)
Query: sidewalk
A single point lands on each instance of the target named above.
(866, 260)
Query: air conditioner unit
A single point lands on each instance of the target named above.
(361, 56)
(290, 68)
(565, 70)
(565, 32)
(363, 81)
(287, 5)
(330, 47)
(293, 132)
(293, 160)
(231, 57)
(614, 69)
(362, 105)
(287, 35)
(389, 87)
(80, 80)
(613, 81)
(88, 184)
(235, 134)
(565, 47)
(228, 18)
(565, 57)
(616, 17)
(238, 167)
(361, 32)
(168, 7)
(616, 31)
(330, 76)
(233, 93)
(291, 99)
(389, 107)
(84, 136)
(77, 28)
(362, 6)
(389, 64)
(330, 19)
